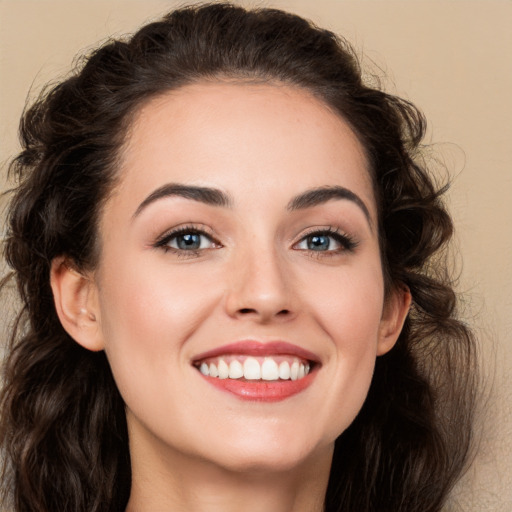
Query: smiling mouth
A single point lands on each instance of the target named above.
(256, 371)
(249, 368)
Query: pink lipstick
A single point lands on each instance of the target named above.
(256, 348)
(258, 371)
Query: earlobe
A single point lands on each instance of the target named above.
(395, 312)
(75, 299)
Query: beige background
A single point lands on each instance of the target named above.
(451, 58)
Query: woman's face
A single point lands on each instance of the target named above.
(241, 241)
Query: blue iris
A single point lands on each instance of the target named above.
(318, 242)
(188, 241)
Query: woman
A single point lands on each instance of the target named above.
(230, 259)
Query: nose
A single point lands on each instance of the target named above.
(261, 288)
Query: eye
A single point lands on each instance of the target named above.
(187, 240)
(326, 241)
(190, 242)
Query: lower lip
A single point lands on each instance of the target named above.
(261, 390)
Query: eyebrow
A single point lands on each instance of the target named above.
(321, 195)
(205, 195)
(216, 197)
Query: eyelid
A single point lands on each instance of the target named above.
(348, 242)
(163, 240)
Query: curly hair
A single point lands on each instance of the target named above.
(63, 428)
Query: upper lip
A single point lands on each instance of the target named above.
(257, 348)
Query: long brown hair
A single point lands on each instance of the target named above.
(63, 428)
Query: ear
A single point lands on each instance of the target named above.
(76, 303)
(394, 314)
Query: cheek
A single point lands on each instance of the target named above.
(147, 315)
(348, 304)
(148, 293)
(348, 308)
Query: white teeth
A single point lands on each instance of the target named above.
(223, 369)
(269, 369)
(284, 370)
(236, 370)
(294, 370)
(252, 369)
(213, 370)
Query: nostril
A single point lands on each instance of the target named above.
(247, 310)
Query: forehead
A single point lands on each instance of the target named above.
(242, 136)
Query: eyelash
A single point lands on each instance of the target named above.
(164, 241)
(347, 243)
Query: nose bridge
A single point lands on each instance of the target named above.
(260, 282)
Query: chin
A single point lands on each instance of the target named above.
(262, 464)
(271, 455)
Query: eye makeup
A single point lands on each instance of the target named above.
(326, 241)
(187, 241)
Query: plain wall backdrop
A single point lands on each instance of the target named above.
(452, 58)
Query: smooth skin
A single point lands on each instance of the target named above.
(254, 265)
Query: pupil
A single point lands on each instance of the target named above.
(189, 241)
(319, 242)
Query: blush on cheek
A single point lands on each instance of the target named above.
(353, 322)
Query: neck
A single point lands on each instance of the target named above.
(176, 482)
